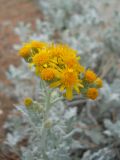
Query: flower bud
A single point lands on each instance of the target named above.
(99, 83)
(48, 123)
(28, 101)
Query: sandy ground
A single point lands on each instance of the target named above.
(11, 13)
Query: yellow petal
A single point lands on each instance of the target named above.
(62, 88)
(77, 89)
(78, 57)
(45, 65)
(69, 93)
(80, 85)
(55, 84)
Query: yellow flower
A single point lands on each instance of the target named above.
(70, 60)
(41, 58)
(58, 50)
(92, 93)
(59, 65)
(80, 68)
(68, 81)
(25, 50)
(48, 74)
(38, 44)
(55, 50)
(28, 101)
(99, 82)
(69, 78)
(90, 76)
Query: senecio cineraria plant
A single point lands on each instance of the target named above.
(58, 66)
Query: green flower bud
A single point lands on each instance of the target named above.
(48, 123)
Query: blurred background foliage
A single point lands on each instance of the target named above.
(93, 28)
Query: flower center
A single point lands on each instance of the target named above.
(69, 78)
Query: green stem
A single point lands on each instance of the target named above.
(45, 117)
(56, 100)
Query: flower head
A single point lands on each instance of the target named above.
(68, 81)
(99, 82)
(70, 61)
(48, 74)
(60, 50)
(28, 101)
(41, 58)
(69, 78)
(90, 76)
(92, 93)
(25, 50)
(38, 44)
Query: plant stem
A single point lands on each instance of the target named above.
(44, 130)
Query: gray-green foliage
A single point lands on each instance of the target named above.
(59, 12)
(112, 35)
(49, 129)
(89, 29)
(24, 78)
(102, 154)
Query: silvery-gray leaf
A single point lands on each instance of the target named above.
(22, 109)
(113, 127)
(71, 112)
(102, 154)
(96, 136)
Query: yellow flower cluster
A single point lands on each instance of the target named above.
(59, 65)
